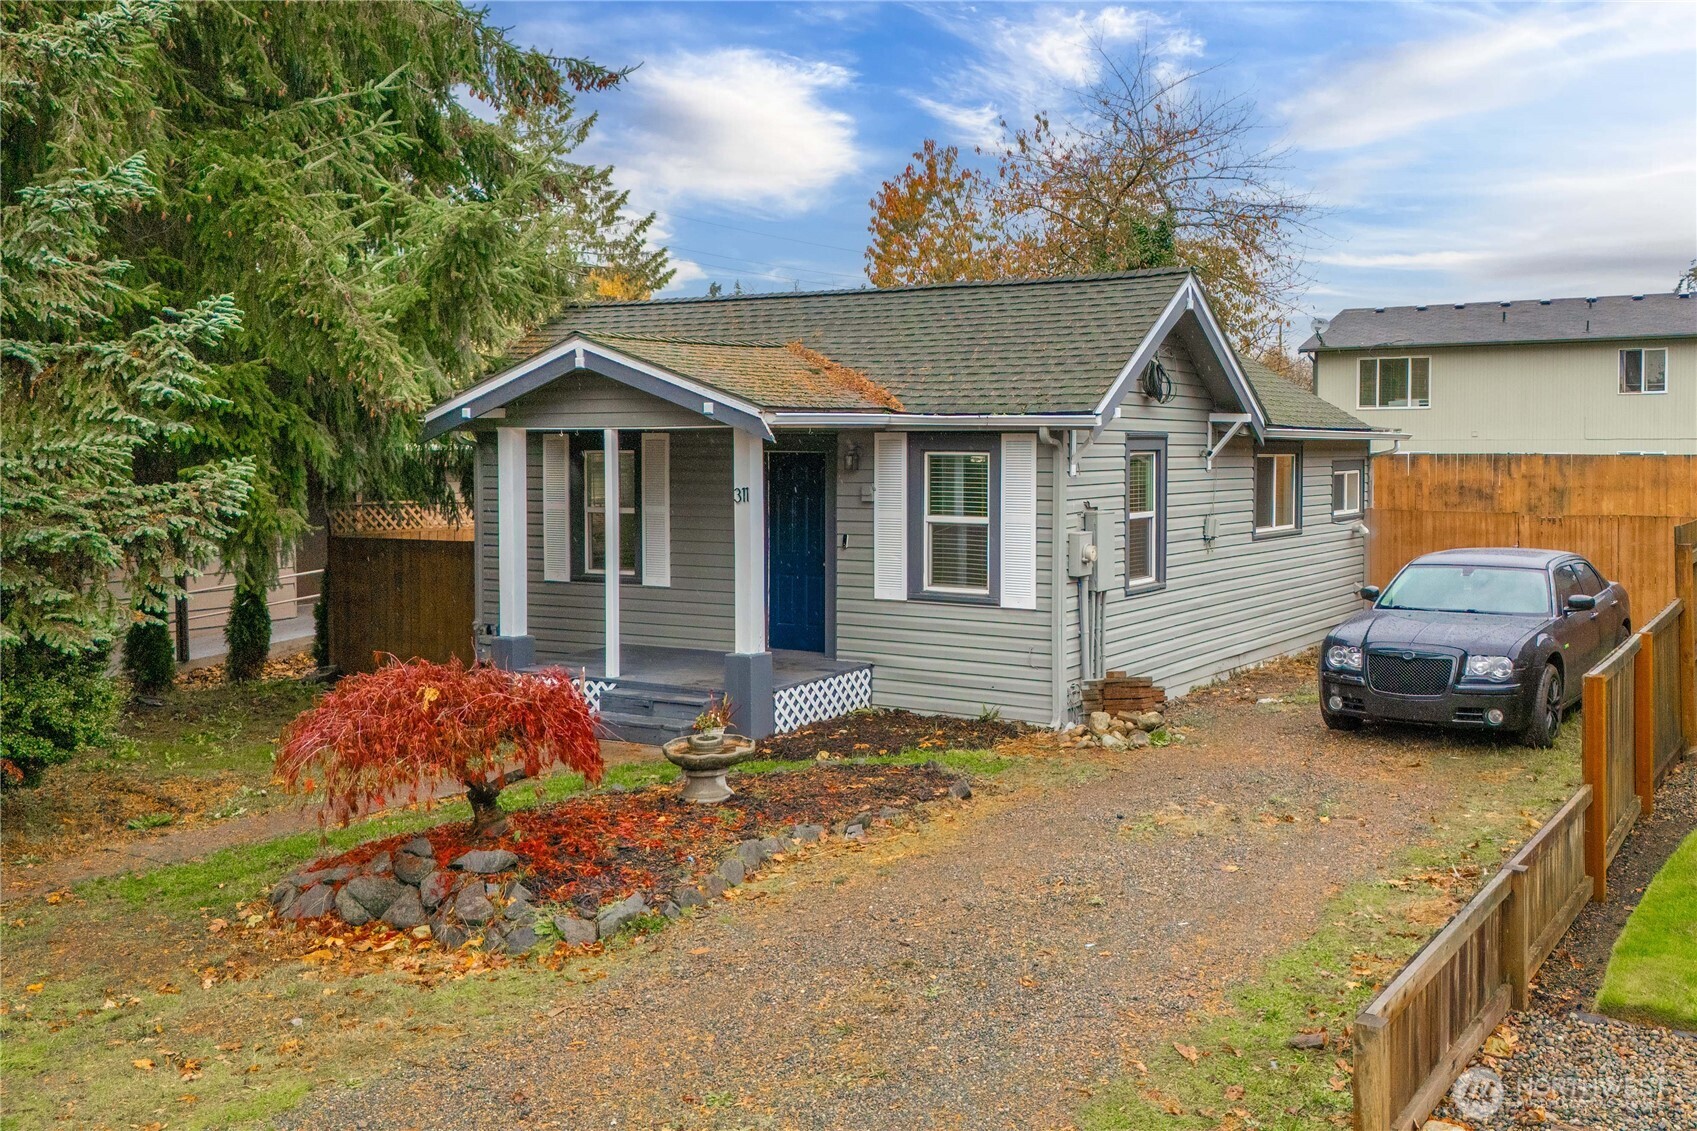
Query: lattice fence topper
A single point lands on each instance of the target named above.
(398, 520)
(822, 698)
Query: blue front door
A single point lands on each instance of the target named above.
(796, 484)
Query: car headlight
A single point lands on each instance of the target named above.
(1495, 668)
(1343, 658)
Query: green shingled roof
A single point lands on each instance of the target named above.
(1289, 405)
(1033, 346)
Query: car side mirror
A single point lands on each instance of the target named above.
(1369, 592)
(1579, 602)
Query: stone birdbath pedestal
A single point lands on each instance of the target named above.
(704, 760)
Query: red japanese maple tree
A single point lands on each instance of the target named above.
(397, 733)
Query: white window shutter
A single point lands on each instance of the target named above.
(556, 507)
(1019, 520)
(889, 516)
(657, 509)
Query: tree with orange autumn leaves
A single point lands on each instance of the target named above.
(1149, 172)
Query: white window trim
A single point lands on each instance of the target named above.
(1291, 486)
(1411, 359)
(932, 521)
(1348, 511)
(589, 508)
(1620, 377)
(1150, 516)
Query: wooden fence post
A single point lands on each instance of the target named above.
(1516, 959)
(1596, 709)
(1372, 1075)
(1685, 588)
(1644, 728)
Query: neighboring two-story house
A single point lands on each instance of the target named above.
(1600, 376)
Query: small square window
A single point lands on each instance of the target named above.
(1644, 371)
(1346, 490)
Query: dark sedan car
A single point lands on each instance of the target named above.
(1482, 639)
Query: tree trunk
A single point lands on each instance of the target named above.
(488, 820)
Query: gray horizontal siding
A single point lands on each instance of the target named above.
(588, 400)
(933, 655)
(1240, 600)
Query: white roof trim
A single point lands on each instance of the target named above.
(805, 419)
(1189, 298)
(1275, 432)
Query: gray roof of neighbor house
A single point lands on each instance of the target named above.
(1610, 317)
(1289, 405)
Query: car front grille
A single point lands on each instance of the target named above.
(1392, 674)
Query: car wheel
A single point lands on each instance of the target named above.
(1340, 722)
(1546, 710)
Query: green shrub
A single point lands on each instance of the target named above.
(150, 656)
(52, 705)
(247, 636)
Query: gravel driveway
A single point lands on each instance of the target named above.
(985, 970)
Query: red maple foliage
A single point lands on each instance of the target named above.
(399, 732)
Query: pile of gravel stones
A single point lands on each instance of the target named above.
(479, 894)
(1120, 731)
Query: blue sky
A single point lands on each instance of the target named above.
(1459, 152)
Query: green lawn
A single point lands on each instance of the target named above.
(1652, 974)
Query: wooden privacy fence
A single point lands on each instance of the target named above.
(1640, 705)
(405, 594)
(1618, 511)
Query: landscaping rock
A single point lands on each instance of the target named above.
(419, 846)
(486, 861)
(437, 887)
(317, 900)
(406, 912)
(1113, 741)
(616, 915)
(670, 910)
(854, 832)
(575, 931)
(751, 853)
(520, 939)
(888, 813)
(334, 875)
(410, 869)
(520, 912)
(772, 845)
(283, 895)
(1151, 720)
(1307, 1041)
(472, 906)
(731, 868)
(715, 886)
(380, 865)
(451, 936)
(689, 897)
(961, 790)
(1138, 738)
(374, 893)
(353, 913)
(809, 834)
(1101, 722)
(517, 891)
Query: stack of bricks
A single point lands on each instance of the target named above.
(1120, 692)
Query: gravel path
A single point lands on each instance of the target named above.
(1572, 1067)
(985, 970)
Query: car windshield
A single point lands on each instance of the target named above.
(1469, 589)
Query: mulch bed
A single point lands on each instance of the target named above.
(869, 733)
(296, 666)
(592, 849)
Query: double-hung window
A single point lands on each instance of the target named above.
(1394, 382)
(957, 522)
(595, 514)
(1145, 518)
(1277, 508)
(1644, 371)
(1347, 478)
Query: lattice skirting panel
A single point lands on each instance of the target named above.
(592, 690)
(822, 698)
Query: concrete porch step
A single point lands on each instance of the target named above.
(648, 729)
(670, 704)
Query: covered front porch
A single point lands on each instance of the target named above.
(661, 690)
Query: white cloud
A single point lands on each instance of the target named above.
(734, 126)
(1496, 63)
(1031, 64)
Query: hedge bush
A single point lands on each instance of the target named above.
(247, 636)
(53, 706)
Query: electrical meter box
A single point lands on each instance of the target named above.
(1098, 524)
(1081, 554)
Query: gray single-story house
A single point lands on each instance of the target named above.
(946, 498)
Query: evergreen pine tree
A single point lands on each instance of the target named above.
(247, 634)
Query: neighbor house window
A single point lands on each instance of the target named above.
(1347, 479)
(1395, 382)
(1643, 371)
(595, 514)
(957, 522)
(1276, 506)
(1145, 517)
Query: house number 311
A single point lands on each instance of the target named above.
(739, 494)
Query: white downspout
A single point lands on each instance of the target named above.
(1057, 571)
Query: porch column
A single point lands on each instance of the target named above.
(748, 670)
(513, 646)
(610, 575)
